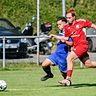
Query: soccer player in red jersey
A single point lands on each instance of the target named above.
(74, 29)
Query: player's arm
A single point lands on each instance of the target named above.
(62, 38)
(93, 26)
(87, 23)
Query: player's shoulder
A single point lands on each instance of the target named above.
(80, 20)
(66, 26)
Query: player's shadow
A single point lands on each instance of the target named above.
(75, 85)
(84, 85)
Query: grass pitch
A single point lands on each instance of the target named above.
(27, 83)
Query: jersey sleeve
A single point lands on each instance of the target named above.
(84, 23)
(87, 23)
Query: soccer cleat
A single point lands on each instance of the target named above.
(46, 77)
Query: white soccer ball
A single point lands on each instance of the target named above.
(68, 83)
(3, 85)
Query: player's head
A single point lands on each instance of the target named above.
(61, 21)
(70, 15)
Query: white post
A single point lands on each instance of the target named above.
(38, 32)
(3, 52)
(63, 8)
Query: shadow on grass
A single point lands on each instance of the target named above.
(75, 85)
(83, 85)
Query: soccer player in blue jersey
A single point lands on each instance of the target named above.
(60, 54)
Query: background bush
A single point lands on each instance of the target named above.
(21, 11)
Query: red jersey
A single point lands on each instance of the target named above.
(75, 31)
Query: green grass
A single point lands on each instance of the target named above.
(27, 83)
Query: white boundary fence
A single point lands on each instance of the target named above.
(5, 37)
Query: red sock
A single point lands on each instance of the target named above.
(69, 73)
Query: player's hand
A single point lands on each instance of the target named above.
(51, 35)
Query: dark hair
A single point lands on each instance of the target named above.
(61, 18)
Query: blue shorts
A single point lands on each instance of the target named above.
(60, 60)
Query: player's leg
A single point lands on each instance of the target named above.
(62, 64)
(70, 59)
(90, 64)
(87, 62)
(64, 74)
(46, 67)
(77, 52)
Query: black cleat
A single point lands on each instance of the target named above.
(46, 77)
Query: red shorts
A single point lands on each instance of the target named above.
(80, 50)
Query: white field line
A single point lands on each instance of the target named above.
(22, 89)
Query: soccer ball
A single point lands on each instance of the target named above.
(3, 85)
(68, 83)
(65, 82)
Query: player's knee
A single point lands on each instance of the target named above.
(88, 64)
(45, 64)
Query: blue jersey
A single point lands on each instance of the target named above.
(61, 46)
(60, 54)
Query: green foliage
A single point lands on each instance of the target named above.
(21, 11)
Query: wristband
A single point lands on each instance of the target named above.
(69, 73)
